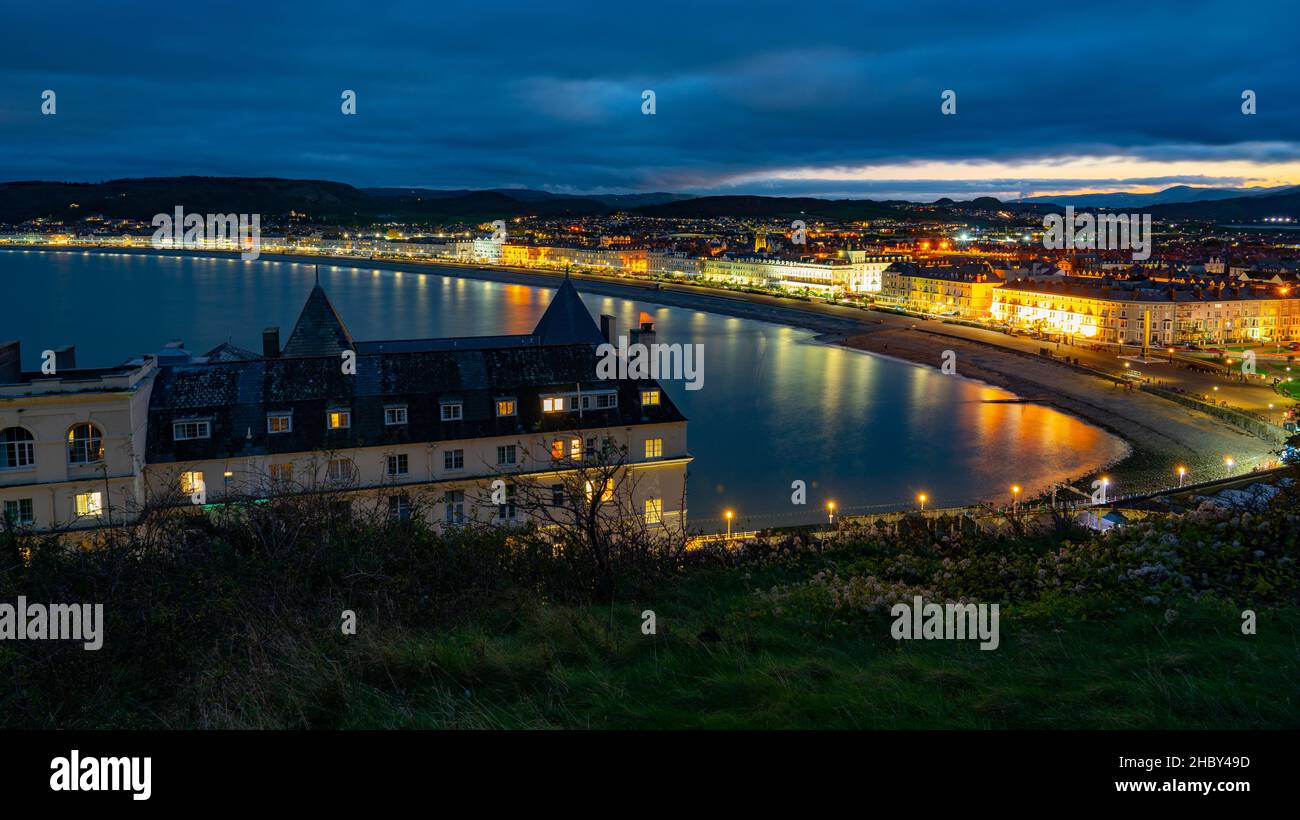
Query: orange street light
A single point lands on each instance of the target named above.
(922, 498)
(1015, 497)
(830, 511)
(1182, 472)
(728, 515)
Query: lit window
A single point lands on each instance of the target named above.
(192, 483)
(506, 454)
(453, 459)
(85, 444)
(186, 430)
(19, 512)
(395, 415)
(397, 464)
(575, 448)
(89, 503)
(654, 447)
(608, 493)
(553, 405)
(505, 407)
(282, 473)
(452, 411)
(654, 510)
(339, 469)
(17, 448)
(649, 398)
(279, 422)
(557, 449)
(340, 419)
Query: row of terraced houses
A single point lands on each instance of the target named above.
(439, 419)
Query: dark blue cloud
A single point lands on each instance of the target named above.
(549, 96)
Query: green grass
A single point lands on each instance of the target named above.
(717, 662)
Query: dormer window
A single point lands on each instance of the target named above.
(506, 407)
(339, 419)
(649, 398)
(452, 411)
(279, 423)
(553, 404)
(394, 414)
(191, 429)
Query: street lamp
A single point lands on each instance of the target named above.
(1227, 460)
(1182, 471)
(1015, 497)
(921, 498)
(1105, 482)
(728, 515)
(830, 511)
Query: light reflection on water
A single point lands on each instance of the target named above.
(776, 406)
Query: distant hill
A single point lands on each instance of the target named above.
(1240, 209)
(1171, 195)
(770, 207)
(321, 201)
(142, 198)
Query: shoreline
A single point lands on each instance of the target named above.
(1157, 433)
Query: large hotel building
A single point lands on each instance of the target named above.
(1141, 311)
(416, 426)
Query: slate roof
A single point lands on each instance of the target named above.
(319, 331)
(226, 352)
(236, 394)
(566, 320)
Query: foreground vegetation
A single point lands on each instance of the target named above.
(235, 622)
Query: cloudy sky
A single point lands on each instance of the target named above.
(777, 98)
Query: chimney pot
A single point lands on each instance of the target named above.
(271, 343)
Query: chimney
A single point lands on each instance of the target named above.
(11, 365)
(609, 328)
(65, 358)
(271, 343)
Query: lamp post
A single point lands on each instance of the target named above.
(1015, 498)
(830, 512)
(921, 498)
(1105, 483)
(728, 515)
(1182, 472)
(1229, 462)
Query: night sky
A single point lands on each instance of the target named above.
(770, 98)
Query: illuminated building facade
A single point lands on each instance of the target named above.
(966, 292)
(1118, 311)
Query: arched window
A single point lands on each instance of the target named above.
(85, 444)
(17, 448)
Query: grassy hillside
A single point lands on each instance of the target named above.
(234, 621)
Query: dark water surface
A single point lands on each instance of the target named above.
(776, 406)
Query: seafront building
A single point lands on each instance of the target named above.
(413, 426)
(964, 291)
(1162, 313)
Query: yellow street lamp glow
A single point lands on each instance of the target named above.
(830, 505)
(1015, 489)
(1229, 461)
(922, 497)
